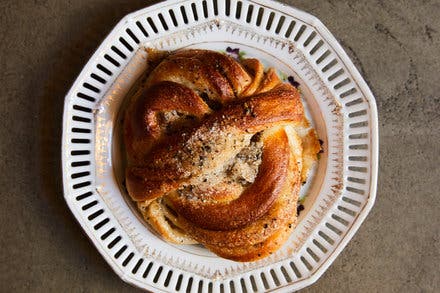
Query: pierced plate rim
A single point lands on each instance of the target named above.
(343, 57)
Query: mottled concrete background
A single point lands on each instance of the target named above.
(44, 44)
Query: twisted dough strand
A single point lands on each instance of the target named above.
(195, 167)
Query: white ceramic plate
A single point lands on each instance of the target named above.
(339, 103)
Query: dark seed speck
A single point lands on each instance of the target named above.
(293, 82)
(299, 209)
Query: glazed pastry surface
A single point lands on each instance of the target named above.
(217, 149)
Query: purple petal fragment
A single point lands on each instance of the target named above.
(235, 53)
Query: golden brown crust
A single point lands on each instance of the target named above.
(256, 69)
(254, 202)
(253, 252)
(195, 168)
(186, 156)
(218, 76)
(280, 219)
(143, 125)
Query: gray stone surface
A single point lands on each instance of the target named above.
(44, 44)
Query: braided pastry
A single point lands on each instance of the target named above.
(217, 150)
